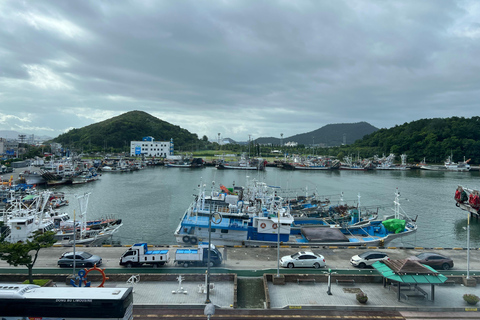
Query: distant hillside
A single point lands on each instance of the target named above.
(329, 135)
(432, 139)
(117, 132)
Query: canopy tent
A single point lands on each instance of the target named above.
(409, 272)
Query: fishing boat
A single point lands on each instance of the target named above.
(433, 167)
(244, 163)
(185, 163)
(317, 163)
(24, 218)
(349, 164)
(85, 176)
(310, 163)
(327, 212)
(81, 231)
(460, 166)
(32, 177)
(258, 216)
(448, 165)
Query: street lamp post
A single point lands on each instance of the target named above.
(207, 301)
(278, 241)
(468, 246)
(74, 243)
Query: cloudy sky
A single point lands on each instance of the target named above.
(238, 68)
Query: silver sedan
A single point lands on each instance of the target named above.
(303, 259)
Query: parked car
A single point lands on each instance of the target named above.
(434, 260)
(82, 259)
(368, 258)
(303, 259)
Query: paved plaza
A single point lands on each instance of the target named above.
(312, 295)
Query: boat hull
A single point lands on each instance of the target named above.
(296, 241)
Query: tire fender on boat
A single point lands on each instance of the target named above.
(186, 239)
(193, 240)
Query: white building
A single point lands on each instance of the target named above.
(150, 148)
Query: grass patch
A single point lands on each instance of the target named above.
(38, 282)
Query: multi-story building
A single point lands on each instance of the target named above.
(150, 148)
(9, 148)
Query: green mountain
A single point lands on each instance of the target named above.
(117, 132)
(432, 139)
(329, 135)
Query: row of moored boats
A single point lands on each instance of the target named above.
(258, 215)
(26, 213)
(320, 163)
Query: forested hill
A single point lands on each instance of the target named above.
(117, 133)
(432, 139)
(329, 135)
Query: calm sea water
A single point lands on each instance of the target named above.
(152, 201)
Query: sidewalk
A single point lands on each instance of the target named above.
(303, 296)
(447, 298)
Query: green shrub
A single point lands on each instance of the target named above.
(471, 298)
(362, 297)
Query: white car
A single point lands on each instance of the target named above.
(368, 258)
(303, 260)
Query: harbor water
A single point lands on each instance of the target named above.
(152, 201)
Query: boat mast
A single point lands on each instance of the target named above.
(83, 203)
(397, 204)
(359, 214)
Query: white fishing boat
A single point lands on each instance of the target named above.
(244, 163)
(80, 231)
(460, 166)
(23, 218)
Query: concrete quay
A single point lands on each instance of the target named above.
(156, 286)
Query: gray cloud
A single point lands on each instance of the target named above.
(240, 68)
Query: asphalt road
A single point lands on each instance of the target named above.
(258, 258)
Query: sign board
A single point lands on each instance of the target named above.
(138, 149)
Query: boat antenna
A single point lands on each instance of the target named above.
(397, 204)
(359, 207)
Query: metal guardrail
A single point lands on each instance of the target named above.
(238, 272)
